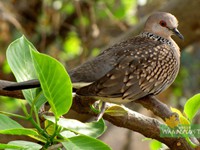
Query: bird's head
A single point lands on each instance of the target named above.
(163, 24)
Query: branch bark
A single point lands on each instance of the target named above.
(149, 127)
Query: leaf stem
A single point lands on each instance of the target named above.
(190, 142)
(34, 109)
(24, 109)
(37, 117)
(40, 130)
(55, 130)
(13, 115)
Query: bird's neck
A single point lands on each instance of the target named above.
(177, 49)
(169, 41)
(157, 38)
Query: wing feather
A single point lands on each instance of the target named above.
(134, 76)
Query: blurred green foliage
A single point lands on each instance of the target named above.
(72, 45)
(9, 104)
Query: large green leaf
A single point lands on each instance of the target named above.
(26, 145)
(82, 142)
(94, 129)
(55, 82)
(20, 61)
(192, 106)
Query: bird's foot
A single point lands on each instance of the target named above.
(99, 108)
(102, 111)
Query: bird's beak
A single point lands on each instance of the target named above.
(176, 32)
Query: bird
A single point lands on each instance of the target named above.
(142, 65)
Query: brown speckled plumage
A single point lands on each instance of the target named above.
(142, 65)
(129, 70)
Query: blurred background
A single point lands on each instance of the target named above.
(73, 31)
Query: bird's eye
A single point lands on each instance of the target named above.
(163, 23)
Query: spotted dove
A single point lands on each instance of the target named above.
(143, 65)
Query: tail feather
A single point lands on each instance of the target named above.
(23, 85)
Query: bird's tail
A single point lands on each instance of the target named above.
(35, 83)
(23, 85)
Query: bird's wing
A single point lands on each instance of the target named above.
(138, 73)
(96, 68)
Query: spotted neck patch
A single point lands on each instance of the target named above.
(156, 38)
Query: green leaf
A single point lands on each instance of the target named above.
(155, 145)
(26, 145)
(93, 129)
(68, 134)
(7, 123)
(116, 110)
(4, 146)
(82, 142)
(19, 131)
(20, 61)
(38, 138)
(19, 58)
(50, 127)
(9, 126)
(55, 82)
(192, 106)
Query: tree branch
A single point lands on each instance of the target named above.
(137, 122)
(149, 127)
(157, 107)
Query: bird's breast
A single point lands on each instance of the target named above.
(159, 70)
